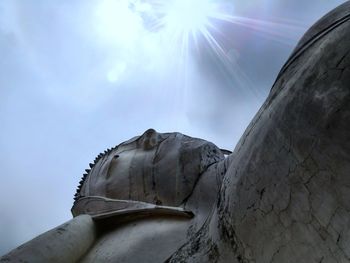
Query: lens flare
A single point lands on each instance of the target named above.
(183, 21)
(167, 31)
(185, 17)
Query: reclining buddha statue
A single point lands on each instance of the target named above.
(283, 195)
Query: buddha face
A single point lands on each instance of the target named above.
(155, 168)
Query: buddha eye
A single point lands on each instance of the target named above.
(116, 156)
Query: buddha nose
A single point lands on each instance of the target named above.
(149, 139)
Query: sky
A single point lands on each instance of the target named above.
(78, 77)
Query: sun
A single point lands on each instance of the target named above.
(171, 28)
(185, 21)
(188, 16)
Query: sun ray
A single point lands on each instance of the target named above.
(185, 20)
(182, 28)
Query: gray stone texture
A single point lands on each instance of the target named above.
(65, 243)
(285, 196)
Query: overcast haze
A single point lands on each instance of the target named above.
(78, 77)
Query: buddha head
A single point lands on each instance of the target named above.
(157, 168)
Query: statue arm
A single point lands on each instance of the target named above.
(65, 243)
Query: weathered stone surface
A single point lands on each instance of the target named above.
(283, 195)
(155, 168)
(169, 185)
(290, 178)
(65, 243)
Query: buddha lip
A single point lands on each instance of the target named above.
(125, 209)
(130, 214)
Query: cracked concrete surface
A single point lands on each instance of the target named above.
(286, 194)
